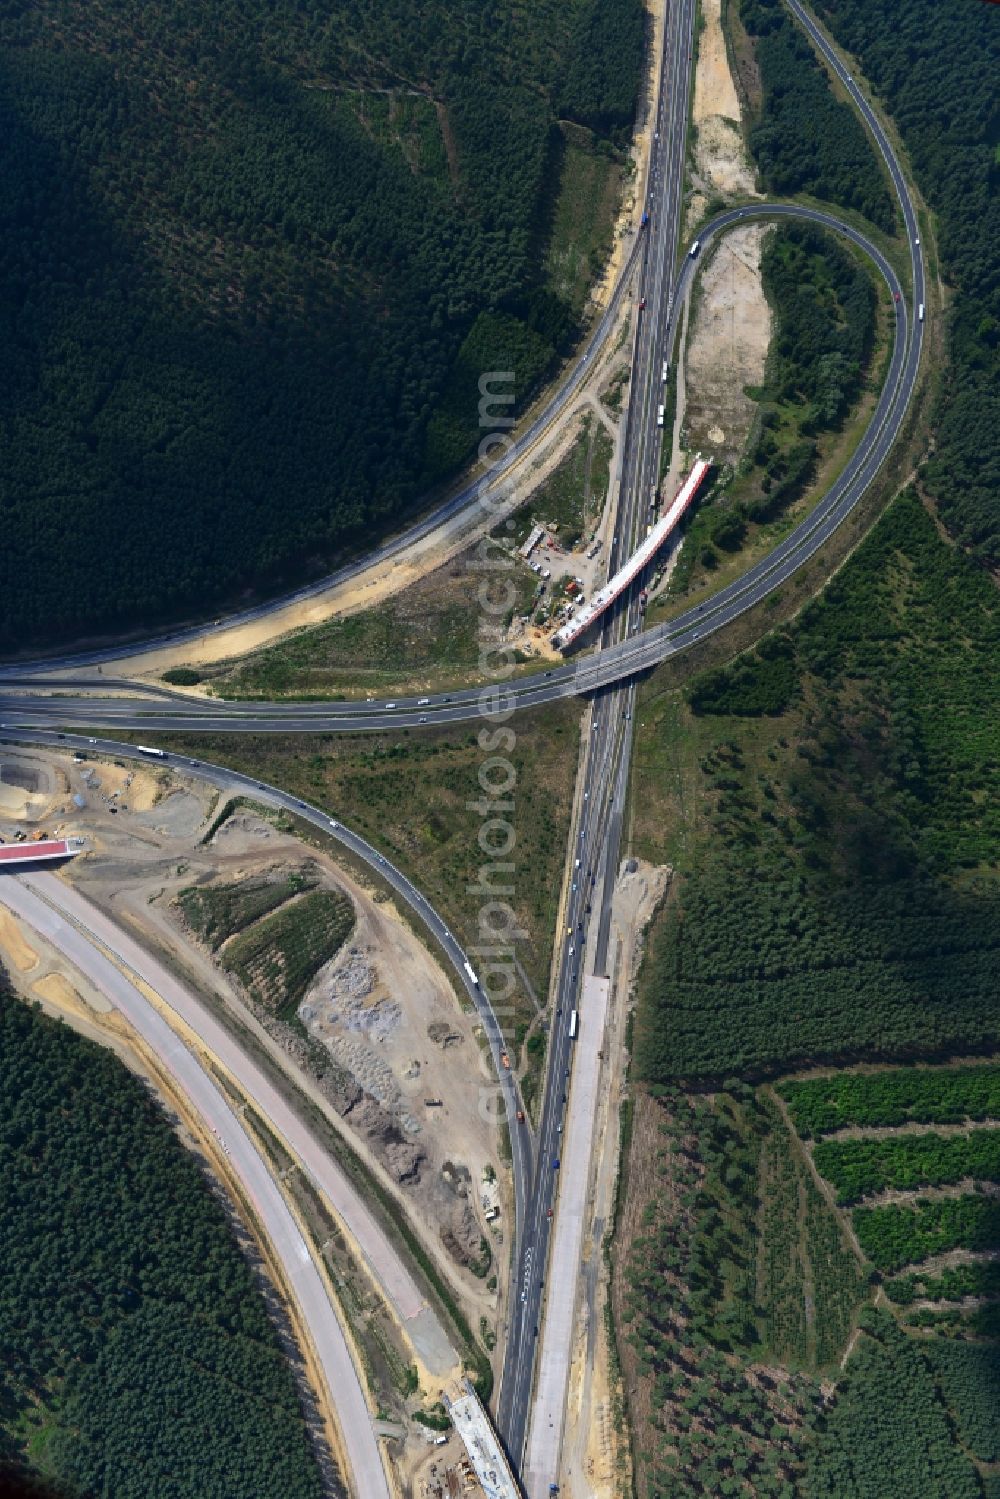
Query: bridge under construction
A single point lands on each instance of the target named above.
(585, 616)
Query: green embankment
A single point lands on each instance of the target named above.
(935, 67)
(216, 912)
(277, 958)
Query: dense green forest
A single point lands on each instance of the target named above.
(969, 1377)
(936, 67)
(824, 306)
(889, 1433)
(136, 1353)
(804, 139)
(859, 1167)
(840, 897)
(253, 261)
(910, 1095)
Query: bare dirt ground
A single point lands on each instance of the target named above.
(595, 1444)
(727, 347)
(729, 324)
(27, 789)
(911, 1127)
(404, 1040)
(722, 165)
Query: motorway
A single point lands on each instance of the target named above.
(626, 650)
(596, 838)
(35, 703)
(593, 856)
(509, 1102)
(38, 900)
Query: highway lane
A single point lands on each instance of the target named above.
(508, 1099)
(600, 832)
(636, 652)
(592, 860)
(469, 498)
(37, 899)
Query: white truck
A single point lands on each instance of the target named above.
(661, 412)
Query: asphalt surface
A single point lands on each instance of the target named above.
(626, 650)
(39, 900)
(119, 704)
(509, 1099)
(597, 838)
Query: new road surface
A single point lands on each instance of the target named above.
(40, 901)
(509, 1103)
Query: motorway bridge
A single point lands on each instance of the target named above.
(37, 702)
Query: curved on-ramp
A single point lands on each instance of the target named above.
(636, 653)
